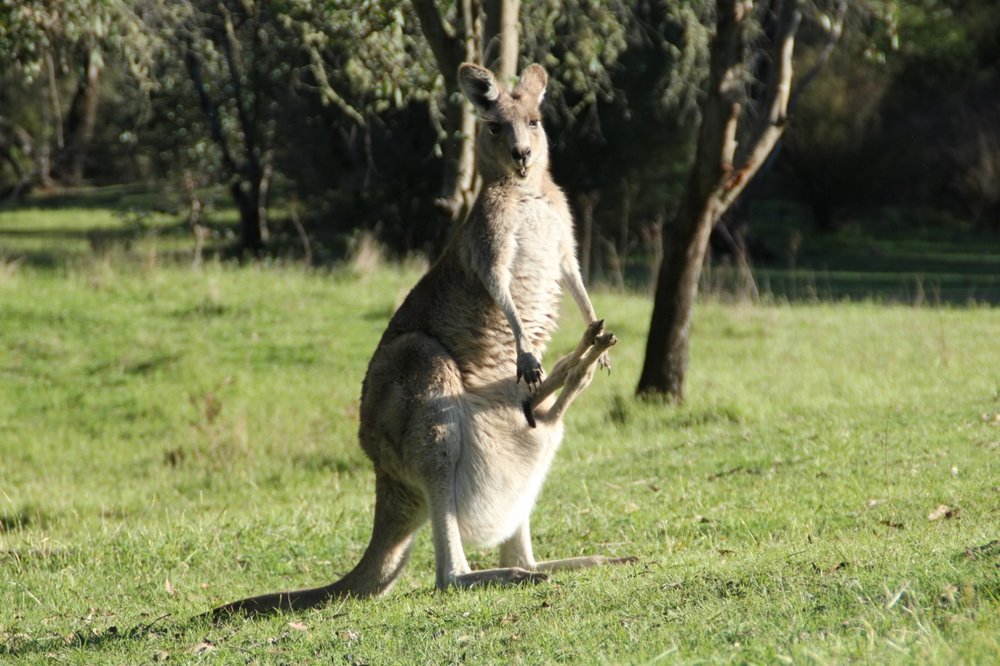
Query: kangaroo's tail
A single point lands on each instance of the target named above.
(398, 513)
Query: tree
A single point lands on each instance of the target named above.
(463, 39)
(233, 34)
(43, 46)
(727, 156)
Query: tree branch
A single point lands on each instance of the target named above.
(328, 94)
(836, 30)
(234, 62)
(774, 115)
(502, 35)
(208, 107)
(445, 46)
(721, 110)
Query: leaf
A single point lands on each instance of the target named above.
(836, 567)
(943, 511)
(169, 587)
(298, 626)
(201, 648)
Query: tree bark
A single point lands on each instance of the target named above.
(254, 176)
(502, 35)
(451, 47)
(720, 172)
(586, 202)
(82, 117)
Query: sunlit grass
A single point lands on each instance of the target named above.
(199, 428)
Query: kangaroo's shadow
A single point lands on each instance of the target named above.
(96, 640)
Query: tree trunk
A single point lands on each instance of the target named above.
(684, 245)
(253, 177)
(451, 46)
(249, 180)
(51, 125)
(502, 35)
(246, 195)
(585, 203)
(458, 182)
(719, 173)
(82, 117)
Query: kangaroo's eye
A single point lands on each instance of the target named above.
(533, 124)
(494, 128)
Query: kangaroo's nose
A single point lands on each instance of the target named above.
(520, 153)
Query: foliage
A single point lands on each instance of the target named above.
(33, 31)
(904, 114)
(351, 106)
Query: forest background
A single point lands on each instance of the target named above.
(318, 120)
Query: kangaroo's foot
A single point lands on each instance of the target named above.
(583, 562)
(516, 552)
(503, 576)
(573, 372)
(594, 331)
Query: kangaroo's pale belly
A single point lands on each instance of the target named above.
(501, 470)
(504, 462)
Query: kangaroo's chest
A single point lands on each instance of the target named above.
(539, 243)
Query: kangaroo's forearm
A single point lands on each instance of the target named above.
(574, 283)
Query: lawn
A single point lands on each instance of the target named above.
(172, 438)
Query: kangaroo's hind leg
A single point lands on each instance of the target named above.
(439, 433)
(567, 364)
(423, 416)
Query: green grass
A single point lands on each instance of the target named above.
(171, 439)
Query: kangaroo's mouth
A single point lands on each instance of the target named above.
(522, 171)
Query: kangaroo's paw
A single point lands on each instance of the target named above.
(529, 368)
(604, 362)
(605, 341)
(594, 329)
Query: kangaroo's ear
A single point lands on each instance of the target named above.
(479, 85)
(532, 83)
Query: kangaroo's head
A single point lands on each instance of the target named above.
(512, 142)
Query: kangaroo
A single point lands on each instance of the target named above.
(452, 433)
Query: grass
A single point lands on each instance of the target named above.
(907, 256)
(171, 439)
